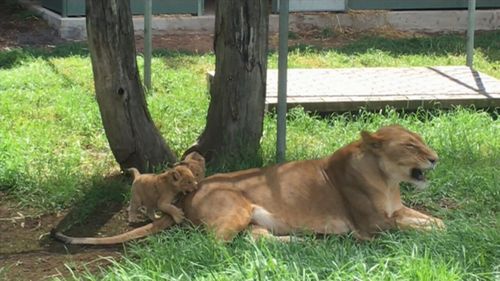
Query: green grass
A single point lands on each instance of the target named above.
(188, 255)
(378, 51)
(54, 154)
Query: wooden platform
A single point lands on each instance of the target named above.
(374, 88)
(346, 89)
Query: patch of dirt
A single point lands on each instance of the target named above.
(444, 203)
(28, 253)
(449, 203)
(190, 42)
(44, 265)
(21, 28)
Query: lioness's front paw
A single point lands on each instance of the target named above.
(431, 224)
(438, 224)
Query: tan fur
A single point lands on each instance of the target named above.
(355, 190)
(196, 163)
(156, 192)
(153, 192)
(146, 192)
(151, 228)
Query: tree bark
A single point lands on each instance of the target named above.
(132, 135)
(236, 110)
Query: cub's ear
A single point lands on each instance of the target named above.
(176, 176)
(371, 140)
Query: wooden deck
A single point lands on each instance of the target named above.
(347, 89)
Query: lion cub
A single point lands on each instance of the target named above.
(196, 163)
(157, 191)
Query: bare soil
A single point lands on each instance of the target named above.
(27, 252)
(21, 28)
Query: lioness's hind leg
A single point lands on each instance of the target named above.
(228, 218)
(230, 226)
(259, 232)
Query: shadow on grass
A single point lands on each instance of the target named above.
(366, 115)
(100, 211)
(225, 164)
(488, 41)
(14, 57)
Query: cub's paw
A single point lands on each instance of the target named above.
(188, 189)
(178, 216)
(134, 219)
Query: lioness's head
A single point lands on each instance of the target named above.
(402, 155)
(180, 178)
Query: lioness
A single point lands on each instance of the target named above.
(354, 190)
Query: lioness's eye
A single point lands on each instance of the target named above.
(411, 145)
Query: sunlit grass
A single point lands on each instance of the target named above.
(419, 51)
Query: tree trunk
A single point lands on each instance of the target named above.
(132, 135)
(236, 111)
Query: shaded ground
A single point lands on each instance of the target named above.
(28, 253)
(21, 28)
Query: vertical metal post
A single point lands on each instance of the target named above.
(64, 11)
(148, 11)
(200, 8)
(282, 81)
(471, 27)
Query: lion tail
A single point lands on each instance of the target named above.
(135, 173)
(139, 232)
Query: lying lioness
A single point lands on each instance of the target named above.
(355, 190)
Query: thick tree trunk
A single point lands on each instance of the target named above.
(236, 111)
(132, 135)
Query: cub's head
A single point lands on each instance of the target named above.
(402, 155)
(180, 178)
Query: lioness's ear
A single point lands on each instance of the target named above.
(371, 140)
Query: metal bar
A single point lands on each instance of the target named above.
(282, 81)
(200, 8)
(471, 27)
(64, 12)
(148, 10)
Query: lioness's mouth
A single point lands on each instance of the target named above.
(417, 174)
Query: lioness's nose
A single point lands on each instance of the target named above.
(433, 160)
